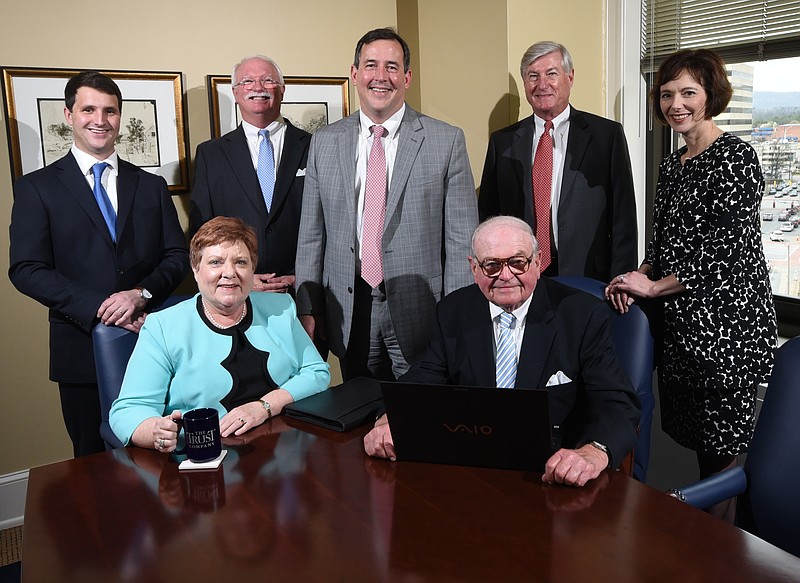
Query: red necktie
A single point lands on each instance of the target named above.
(542, 178)
(374, 212)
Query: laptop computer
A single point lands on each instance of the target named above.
(469, 426)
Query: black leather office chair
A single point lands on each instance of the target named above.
(768, 484)
(633, 342)
(112, 350)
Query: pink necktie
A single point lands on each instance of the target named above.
(542, 178)
(374, 212)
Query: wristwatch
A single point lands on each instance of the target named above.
(267, 408)
(144, 294)
(603, 448)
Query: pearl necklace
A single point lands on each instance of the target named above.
(217, 324)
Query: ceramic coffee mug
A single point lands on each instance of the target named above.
(202, 439)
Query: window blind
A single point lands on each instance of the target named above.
(740, 30)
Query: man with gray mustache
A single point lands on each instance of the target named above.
(256, 172)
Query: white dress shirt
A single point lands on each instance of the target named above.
(389, 140)
(277, 131)
(109, 178)
(520, 314)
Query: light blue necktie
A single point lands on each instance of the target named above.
(506, 366)
(266, 168)
(101, 196)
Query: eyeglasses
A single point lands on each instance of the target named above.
(264, 81)
(517, 264)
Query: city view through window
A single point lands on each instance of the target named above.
(765, 111)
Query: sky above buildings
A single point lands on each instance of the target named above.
(776, 75)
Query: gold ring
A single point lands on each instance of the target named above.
(242, 420)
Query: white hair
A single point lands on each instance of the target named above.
(267, 60)
(505, 221)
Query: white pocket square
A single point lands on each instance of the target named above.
(301, 172)
(558, 379)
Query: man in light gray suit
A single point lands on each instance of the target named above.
(413, 252)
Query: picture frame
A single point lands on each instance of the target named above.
(152, 129)
(308, 102)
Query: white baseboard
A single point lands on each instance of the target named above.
(13, 488)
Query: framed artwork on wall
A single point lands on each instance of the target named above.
(308, 102)
(152, 130)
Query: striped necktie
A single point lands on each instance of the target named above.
(506, 366)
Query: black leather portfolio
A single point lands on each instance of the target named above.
(340, 408)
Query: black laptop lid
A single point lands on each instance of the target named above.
(470, 426)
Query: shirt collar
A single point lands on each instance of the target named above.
(392, 125)
(558, 120)
(520, 313)
(86, 161)
(251, 131)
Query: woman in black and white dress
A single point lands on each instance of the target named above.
(705, 268)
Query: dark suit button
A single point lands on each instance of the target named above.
(349, 290)
(269, 231)
(120, 271)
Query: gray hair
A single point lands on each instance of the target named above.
(267, 60)
(540, 49)
(504, 221)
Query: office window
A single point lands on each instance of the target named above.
(760, 42)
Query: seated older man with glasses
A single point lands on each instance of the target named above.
(531, 333)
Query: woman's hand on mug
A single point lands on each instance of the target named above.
(165, 432)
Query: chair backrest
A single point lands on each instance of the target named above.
(112, 349)
(770, 508)
(633, 343)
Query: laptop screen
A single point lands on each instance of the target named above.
(471, 426)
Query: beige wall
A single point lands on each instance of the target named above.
(466, 55)
(577, 24)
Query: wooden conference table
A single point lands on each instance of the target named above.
(295, 503)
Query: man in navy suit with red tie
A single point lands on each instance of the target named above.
(96, 240)
(589, 226)
(256, 172)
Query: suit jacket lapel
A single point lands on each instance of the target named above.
(412, 133)
(348, 144)
(479, 345)
(537, 340)
(522, 152)
(127, 183)
(293, 147)
(577, 144)
(238, 155)
(76, 185)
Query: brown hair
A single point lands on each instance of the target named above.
(383, 34)
(221, 230)
(707, 68)
(93, 80)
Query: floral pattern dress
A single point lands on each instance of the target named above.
(717, 338)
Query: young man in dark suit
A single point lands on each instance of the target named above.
(588, 194)
(228, 182)
(557, 337)
(96, 240)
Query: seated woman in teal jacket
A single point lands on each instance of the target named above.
(247, 356)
